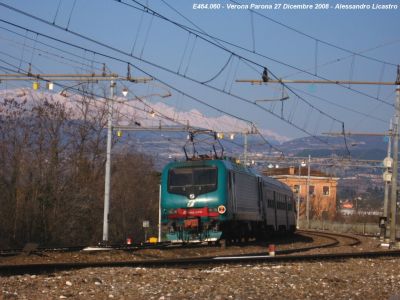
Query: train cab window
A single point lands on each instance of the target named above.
(205, 176)
(198, 180)
(180, 177)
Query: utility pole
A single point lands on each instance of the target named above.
(298, 200)
(388, 164)
(107, 180)
(110, 104)
(159, 214)
(301, 164)
(245, 148)
(395, 163)
(246, 133)
(308, 192)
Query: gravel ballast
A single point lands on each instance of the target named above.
(349, 279)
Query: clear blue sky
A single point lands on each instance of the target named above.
(165, 44)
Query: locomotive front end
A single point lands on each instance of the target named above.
(193, 200)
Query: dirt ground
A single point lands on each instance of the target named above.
(343, 279)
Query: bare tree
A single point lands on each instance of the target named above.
(52, 161)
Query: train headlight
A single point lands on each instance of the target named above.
(221, 209)
(172, 212)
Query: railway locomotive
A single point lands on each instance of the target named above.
(211, 199)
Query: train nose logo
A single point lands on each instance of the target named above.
(221, 209)
(192, 196)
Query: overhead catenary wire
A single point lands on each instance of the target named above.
(17, 59)
(122, 52)
(253, 34)
(137, 32)
(23, 50)
(50, 46)
(164, 68)
(316, 58)
(339, 59)
(125, 103)
(100, 96)
(220, 71)
(70, 14)
(340, 106)
(219, 40)
(158, 113)
(111, 57)
(380, 79)
(120, 60)
(316, 54)
(147, 36)
(50, 56)
(57, 10)
(190, 56)
(316, 39)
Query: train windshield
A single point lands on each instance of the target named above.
(197, 180)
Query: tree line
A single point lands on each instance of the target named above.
(52, 161)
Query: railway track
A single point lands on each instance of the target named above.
(41, 250)
(191, 262)
(340, 238)
(33, 249)
(37, 250)
(125, 248)
(288, 255)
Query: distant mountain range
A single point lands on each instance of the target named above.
(165, 146)
(360, 147)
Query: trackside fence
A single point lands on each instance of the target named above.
(358, 228)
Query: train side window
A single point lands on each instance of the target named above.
(281, 204)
